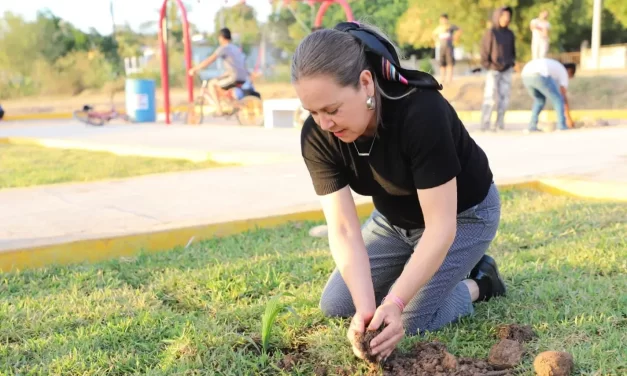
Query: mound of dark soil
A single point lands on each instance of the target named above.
(506, 354)
(431, 358)
(515, 332)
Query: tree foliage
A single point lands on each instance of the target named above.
(241, 20)
(571, 22)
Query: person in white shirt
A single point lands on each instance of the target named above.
(548, 78)
(540, 35)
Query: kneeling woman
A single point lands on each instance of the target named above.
(419, 262)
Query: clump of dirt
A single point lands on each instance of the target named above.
(553, 363)
(432, 358)
(506, 354)
(515, 332)
(363, 343)
(292, 356)
(288, 362)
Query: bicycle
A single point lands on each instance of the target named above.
(89, 116)
(242, 101)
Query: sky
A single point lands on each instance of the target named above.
(85, 14)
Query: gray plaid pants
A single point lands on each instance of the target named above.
(445, 298)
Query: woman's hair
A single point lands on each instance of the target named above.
(337, 54)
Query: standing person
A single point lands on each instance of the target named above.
(498, 56)
(540, 35)
(548, 78)
(446, 35)
(419, 262)
(235, 73)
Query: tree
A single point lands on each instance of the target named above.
(382, 13)
(618, 8)
(571, 22)
(415, 27)
(241, 20)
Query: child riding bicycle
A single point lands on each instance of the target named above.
(236, 73)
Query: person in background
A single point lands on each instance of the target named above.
(548, 78)
(540, 35)
(498, 56)
(446, 35)
(234, 62)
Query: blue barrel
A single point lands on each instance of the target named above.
(140, 100)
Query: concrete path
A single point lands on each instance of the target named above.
(66, 212)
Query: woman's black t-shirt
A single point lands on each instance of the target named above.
(422, 144)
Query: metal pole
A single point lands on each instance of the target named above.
(112, 18)
(596, 32)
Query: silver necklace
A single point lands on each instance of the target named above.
(368, 153)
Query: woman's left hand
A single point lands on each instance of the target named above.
(385, 342)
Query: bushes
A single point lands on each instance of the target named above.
(70, 74)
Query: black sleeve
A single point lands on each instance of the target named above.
(486, 49)
(429, 140)
(321, 159)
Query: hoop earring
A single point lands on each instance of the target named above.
(370, 103)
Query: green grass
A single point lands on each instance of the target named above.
(26, 165)
(195, 311)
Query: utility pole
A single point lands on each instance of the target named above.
(596, 32)
(112, 18)
(222, 14)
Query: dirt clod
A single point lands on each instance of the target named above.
(506, 354)
(515, 332)
(288, 362)
(553, 363)
(320, 371)
(432, 358)
(363, 343)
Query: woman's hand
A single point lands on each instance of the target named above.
(384, 344)
(358, 325)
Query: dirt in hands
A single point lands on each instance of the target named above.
(362, 341)
(515, 332)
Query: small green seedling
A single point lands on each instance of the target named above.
(274, 307)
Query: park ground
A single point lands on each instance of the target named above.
(198, 310)
(586, 91)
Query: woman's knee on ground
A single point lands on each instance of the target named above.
(418, 325)
(336, 305)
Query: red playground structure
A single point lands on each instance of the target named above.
(163, 38)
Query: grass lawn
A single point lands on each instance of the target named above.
(26, 165)
(192, 311)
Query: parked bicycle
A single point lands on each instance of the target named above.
(88, 115)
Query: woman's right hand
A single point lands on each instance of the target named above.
(358, 325)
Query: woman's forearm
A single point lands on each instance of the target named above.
(425, 262)
(351, 259)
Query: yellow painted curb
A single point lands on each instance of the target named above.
(237, 158)
(613, 191)
(128, 245)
